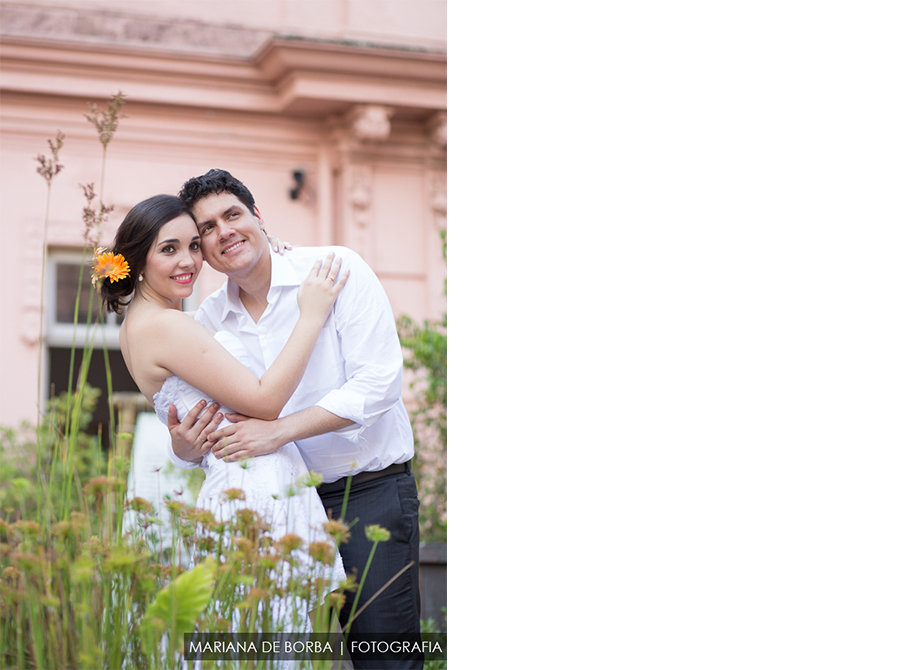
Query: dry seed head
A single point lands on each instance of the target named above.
(50, 167)
(107, 122)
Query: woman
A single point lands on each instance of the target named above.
(173, 359)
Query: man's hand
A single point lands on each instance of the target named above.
(248, 437)
(189, 437)
(245, 438)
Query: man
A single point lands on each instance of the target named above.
(346, 415)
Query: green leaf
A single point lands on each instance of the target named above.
(180, 602)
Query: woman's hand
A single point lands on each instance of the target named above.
(317, 294)
(278, 246)
(189, 437)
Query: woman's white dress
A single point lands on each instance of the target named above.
(269, 483)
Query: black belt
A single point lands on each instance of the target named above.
(340, 485)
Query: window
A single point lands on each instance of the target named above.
(63, 335)
(63, 288)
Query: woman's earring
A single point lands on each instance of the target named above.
(141, 277)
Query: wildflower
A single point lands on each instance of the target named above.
(337, 529)
(22, 486)
(318, 587)
(96, 548)
(50, 167)
(28, 562)
(376, 534)
(82, 569)
(321, 551)
(290, 542)
(140, 505)
(109, 267)
(311, 478)
(120, 559)
(61, 529)
(245, 545)
(336, 600)
(202, 516)
(11, 573)
(300, 590)
(246, 517)
(98, 486)
(233, 494)
(27, 527)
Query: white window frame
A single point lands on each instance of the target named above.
(58, 334)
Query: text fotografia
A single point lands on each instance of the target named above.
(312, 646)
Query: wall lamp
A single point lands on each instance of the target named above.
(299, 178)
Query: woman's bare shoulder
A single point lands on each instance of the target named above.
(164, 324)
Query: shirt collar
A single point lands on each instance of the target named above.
(283, 274)
(283, 271)
(232, 303)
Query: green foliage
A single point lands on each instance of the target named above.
(426, 348)
(427, 626)
(425, 353)
(177, 608)
(46, 456)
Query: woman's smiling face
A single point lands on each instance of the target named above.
(174, 260)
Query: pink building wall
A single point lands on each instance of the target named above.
(354, 93)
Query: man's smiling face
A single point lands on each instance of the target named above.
(231, 236)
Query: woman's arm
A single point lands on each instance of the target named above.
(185, 348)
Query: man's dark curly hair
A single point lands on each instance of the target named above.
(215, 182)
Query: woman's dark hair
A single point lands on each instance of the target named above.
(213, 183)
(135, 237)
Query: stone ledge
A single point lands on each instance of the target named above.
(106, 29)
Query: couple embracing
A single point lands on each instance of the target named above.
(294, 364)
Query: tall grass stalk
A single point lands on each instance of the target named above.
(374, 534)
(106, 124)
(48, 169)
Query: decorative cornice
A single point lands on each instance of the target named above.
(279, 56)
(162, 64)
(368, 123)
(106, 29)
(437, 129)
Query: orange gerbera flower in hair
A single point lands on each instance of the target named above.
(109, 266)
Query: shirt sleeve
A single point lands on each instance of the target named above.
(370, 348)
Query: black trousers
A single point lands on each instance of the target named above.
(393, 503)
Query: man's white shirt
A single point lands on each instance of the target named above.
(355, 370)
